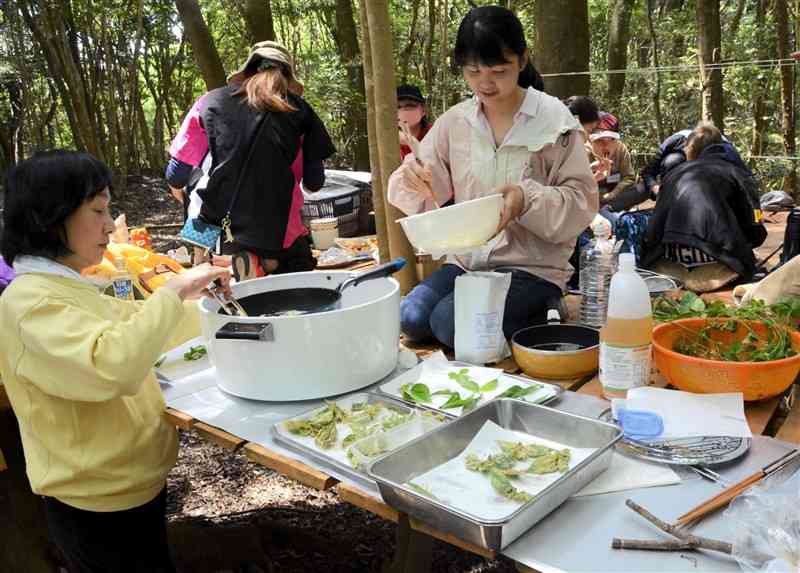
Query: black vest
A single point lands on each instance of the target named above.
(252, 150)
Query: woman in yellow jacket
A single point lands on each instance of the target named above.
(78, 368)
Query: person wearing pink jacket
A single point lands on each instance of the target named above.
(511, 139)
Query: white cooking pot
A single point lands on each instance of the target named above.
(310, 356)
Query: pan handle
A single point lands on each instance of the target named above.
(378, 272)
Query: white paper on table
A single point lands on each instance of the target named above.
(472, 492)
(688, 415)
(628, 473)
(433, 372)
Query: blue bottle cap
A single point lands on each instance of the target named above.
(640, 423)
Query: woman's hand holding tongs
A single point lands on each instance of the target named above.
(194, 282)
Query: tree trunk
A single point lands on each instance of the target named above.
(657, 87)
(618, 38)
(378, 194)
(258, 17)
(405, 58)
(429, 73)
(562, 45)
(356, 118)
(49, 29)
(203, 47)
(761, 85)
(710, 52)
(380, 38)
(787, 95)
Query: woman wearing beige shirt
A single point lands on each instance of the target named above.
(509, 139)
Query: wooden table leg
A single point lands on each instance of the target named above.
(414, 550)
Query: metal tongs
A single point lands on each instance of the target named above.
(231, 306)
(413, 143)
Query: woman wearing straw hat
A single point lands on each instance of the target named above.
(263, 138)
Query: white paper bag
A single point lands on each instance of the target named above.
(480, 300)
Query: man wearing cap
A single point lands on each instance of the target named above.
(613, 161)
(411, 111)
(262, 138)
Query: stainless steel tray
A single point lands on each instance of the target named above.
(415, 458)
(326, 457)
(409, 376)
(702, 451)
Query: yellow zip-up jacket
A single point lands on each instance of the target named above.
(78, 370)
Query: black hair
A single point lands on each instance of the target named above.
(485, 33)
(584, 107)
(40, 193)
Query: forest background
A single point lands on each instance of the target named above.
(115, 77)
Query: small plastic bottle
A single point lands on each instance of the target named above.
(626, 339)
(122, 281)
(597, 265)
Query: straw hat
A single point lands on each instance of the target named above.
(267, 50)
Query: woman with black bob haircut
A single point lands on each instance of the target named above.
(487, 35)
(78, 368)
(511, 139)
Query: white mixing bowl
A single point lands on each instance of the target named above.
(455, 229)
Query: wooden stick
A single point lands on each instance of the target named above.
(651, 545)
(720, 500)
(674, 530)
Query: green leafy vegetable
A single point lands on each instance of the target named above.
(519, 392)
(195, 353)
(416, 392)
(463, 379)
(489, 386)
(552, 461)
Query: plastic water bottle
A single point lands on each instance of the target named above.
(626, 339)
(597, 265)
(122, 281)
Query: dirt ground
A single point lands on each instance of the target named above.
(229, 514)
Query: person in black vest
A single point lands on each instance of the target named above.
(263, 138)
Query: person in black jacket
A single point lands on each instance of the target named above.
(262, 138)
(672, 153)
(707, 220)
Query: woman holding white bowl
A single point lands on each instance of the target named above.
(509, 139)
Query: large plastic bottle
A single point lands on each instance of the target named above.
(626, 339)
(597, 265)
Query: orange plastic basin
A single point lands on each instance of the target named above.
(756, 380)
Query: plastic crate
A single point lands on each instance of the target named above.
(342, 198)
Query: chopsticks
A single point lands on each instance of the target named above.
(725, 496)
(413, 143)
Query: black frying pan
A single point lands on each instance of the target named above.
(307, 300)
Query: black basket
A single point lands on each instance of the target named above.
(343, 199)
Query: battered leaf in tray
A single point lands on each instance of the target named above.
(504, 487)
(326, 437)
(521, 451)
(421, 490)
(554, 461)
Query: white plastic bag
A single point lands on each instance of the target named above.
(766, 526)
(480, 301)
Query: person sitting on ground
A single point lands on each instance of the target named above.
(411, 112)
(612, 165)
(586, 112)
(672, 153)
(509, 139)
(707, 218)
(78, 368)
